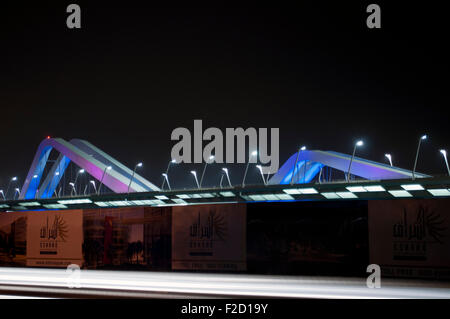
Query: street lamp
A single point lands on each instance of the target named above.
(211, 158)
(101, 181)
(228, 176)
(73, 188)
(166, 178)
(167, 171)
(444, 153)
(357, 144)
(422, 138)
(254, 153)
(93, 184)
(1, 192)
(17, 191)
(296, 161)
(35, 177)
(9, 184)
(132, 176)
(262, 174)
(389, 157)
(195, 176)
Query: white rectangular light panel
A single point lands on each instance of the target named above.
(285, 197)
(412, 187)
(400, 193)
(227, 194)
(30, 204)
(439, 192)
(270, 197)
(330, 195)
(161, 197)
(307, 190)
(256, 197)
(183, 196)
(291, 191)
(52, 206)
(179, 201)
(346, 195)
(374, 188)
(101, 204)
(356, 189)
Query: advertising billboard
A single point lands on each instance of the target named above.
(54, 238)
(209, 237)
(410, 237)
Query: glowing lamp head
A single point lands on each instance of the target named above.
(14, 179)
(194, 173)
(109, 167)
(388, 156)
(173, 161)
(302, 148)
(57, 173)
(259, 167)
(211, 157)
(254, 153)
(92, 182)
(72, 184)
(225, 170)
(81, 171)
(424, 137)
(17, 190)
(35, 176)
(359, 143)
(443, 152)
(139, 164)
(164, 174)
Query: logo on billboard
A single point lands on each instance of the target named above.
(415, 232)
(51, 233)
(204, 232)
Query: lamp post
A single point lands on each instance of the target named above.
(262, 174)
(296, 161)
(93, 184)
(9, 184)
(357, 144)
(17, 191)
(35, 178)
(132, 176)
(166, 178)
(73, 188)
(101, 181)
(81, 171)
(254, 153)
(211, 158)
(167, 171)
(228, 176)
(1, 192)
(195, 176)
(444, 153)
(389, 157)
(422, 138)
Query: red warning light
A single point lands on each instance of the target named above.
(48, 137)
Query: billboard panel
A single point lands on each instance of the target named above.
(13, 239)
(410, 237)
(209, 237)
(54, 238)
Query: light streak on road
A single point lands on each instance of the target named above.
(97, 283)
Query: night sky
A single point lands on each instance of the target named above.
(133, 73)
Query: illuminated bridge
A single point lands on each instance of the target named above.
(306, 175)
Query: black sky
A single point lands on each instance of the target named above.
(133, 73)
